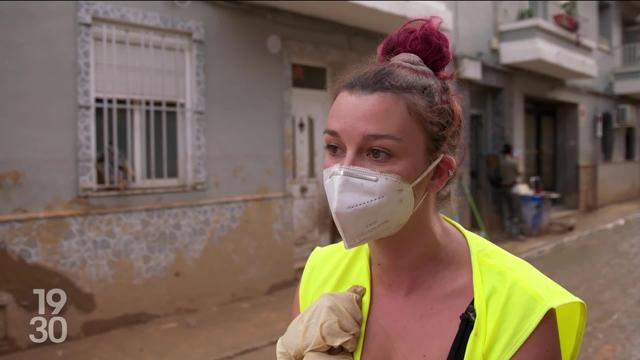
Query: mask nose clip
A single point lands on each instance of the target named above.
(353, 174)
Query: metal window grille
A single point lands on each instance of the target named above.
(631, 54)
(141, 79)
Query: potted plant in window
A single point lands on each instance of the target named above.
(567, 20)
(526, 13)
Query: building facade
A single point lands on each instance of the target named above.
(562, 94)
(162, 157)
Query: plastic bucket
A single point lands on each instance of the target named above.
(532, 212)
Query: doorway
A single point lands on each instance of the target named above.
(541, 139)
(476, 171)
(309, 109)
(485, 133)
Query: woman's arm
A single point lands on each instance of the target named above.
(544, 342)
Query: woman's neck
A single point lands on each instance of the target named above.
(415, 255)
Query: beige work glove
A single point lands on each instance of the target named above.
(327, 330)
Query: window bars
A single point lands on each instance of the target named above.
(140, 102)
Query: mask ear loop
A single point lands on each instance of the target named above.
(429, 169)
(425, 173)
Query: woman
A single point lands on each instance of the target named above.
(391, 139)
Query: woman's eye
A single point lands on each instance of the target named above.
(378, 154)
(332, 149)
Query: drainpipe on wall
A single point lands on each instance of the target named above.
(4, 338)
(595, 158)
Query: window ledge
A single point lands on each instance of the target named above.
(40, 215)
(619, 162)
(141, 191)
(604, 48)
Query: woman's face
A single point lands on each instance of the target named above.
(375, 131)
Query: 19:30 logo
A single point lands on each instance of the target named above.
(45, 329)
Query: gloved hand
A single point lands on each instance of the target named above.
(327, 330)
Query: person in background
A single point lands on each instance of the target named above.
(508, 175)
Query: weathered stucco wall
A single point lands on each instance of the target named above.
(477, 23)
(245, 85)
(126, 267)
(37, 95)
(618, 182)
(585, 142)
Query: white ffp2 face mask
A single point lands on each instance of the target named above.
(367, 205)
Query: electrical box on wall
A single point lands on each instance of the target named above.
(626, 116)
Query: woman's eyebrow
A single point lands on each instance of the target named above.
(331, 133)
(383, 137)
(369, 137)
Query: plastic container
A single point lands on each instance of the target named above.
(532, 209)
(546, 212)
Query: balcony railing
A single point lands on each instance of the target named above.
(540, 46)
(631, 54)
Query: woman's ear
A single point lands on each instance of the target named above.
(445, 170)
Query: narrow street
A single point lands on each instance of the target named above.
(603, 270)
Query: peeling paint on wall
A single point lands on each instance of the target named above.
(150, 240)
(281, 229)
(129, 267)
(9, 179)
(19, 278)
(95, 244)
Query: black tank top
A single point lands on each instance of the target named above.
(459, 346)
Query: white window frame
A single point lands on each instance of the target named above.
(106, 34)
(191, 169)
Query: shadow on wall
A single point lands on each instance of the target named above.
(19, 278)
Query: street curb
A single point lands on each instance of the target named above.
(545, 248)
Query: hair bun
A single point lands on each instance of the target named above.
(424, 40)
(411, 61)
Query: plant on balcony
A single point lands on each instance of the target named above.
(526, 13)
(570, 7)
(567, 20)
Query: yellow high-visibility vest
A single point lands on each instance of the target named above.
(510, 296)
